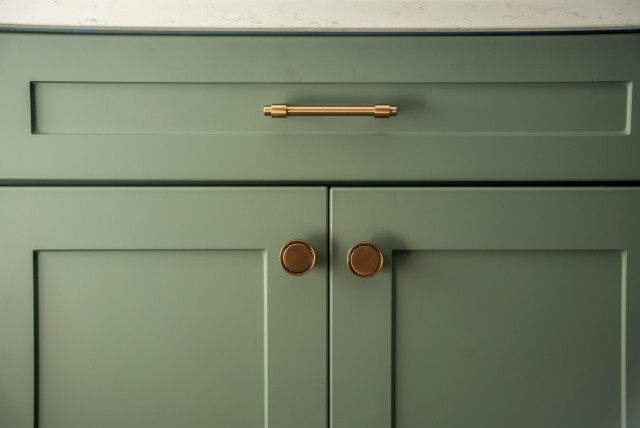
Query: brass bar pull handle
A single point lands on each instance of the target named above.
(283, 110)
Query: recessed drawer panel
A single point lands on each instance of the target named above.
(426, 108)
(189, 108)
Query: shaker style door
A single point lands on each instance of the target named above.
(493, 308)
(161, 307)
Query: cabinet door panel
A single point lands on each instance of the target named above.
(496, 336)
(502, 307)
(161, 307)
(168, 338)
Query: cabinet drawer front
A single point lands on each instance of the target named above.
(142, 107)
(494, 307)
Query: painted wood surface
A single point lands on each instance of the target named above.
(495, 307)
(117, 107)
(161, 307)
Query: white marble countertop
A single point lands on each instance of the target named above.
(321, 15)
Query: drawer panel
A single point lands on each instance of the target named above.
(189, 108)
(235, 108)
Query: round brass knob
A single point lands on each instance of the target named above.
(297, 257)
(364, 259)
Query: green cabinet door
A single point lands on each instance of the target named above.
(512, 307)
(161, 307)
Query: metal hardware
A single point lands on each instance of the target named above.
(297, 257)
(364, 259)
(378, 110)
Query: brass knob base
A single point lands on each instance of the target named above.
(365, 259)
(297, 257)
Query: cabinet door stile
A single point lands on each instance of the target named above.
(494, 307)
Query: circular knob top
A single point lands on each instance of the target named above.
(297, 257)
(364, 259)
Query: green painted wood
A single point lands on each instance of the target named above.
(161, 307)
(494, 337)
(495, 307)
(199, 108)
(151, 338)
(144, 107)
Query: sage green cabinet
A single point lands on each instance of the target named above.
(166, 306)
(161, 307)
(152, 307)
(495, 308)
